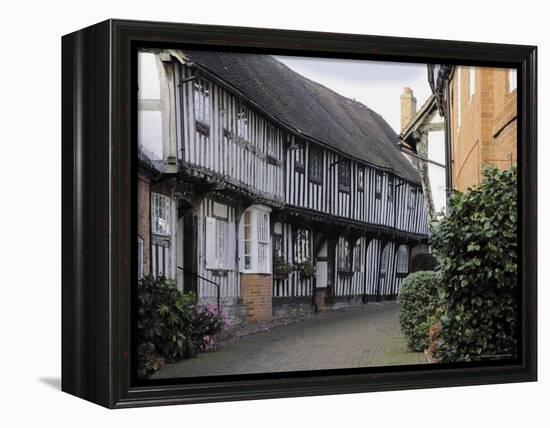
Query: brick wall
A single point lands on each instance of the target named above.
(486, 132)
(257, 293)
(144, 220)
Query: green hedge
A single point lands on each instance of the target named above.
(423, 262)
(476, 244)
(418, 304)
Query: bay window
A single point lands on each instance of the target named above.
(255, 240)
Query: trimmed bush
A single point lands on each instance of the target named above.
(169, 326)
(476, 244)
(424, 262)
(418, 304)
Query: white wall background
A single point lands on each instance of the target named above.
(31, 211)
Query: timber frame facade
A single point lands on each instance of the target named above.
(226, 185)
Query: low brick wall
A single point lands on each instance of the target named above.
(292, 307)
(256, 294)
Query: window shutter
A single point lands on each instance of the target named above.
(230, 247)
(210, 243)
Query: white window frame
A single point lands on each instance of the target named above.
(255, 254)
(201, 97)
(160, 209)
(219, 244)
(512, 79)
(402, 265)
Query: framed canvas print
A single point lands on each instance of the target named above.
(252, 213)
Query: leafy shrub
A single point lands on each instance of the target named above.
(169, 326)
(476, 244)
(306, 269)
(423, 262)
(418, 302)
(208, 323)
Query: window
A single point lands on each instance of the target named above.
(412, 198)
(160, 207)
(357, 257)
(302, 246)
(202, 101)
(271, 138)
(472, 82)
(219, 244)
(384, 260)
(378, 185)
(403, 259)
(344, 176)
(140, 257)
(315, 165)
(344, 256)
(263, 241)
(255, 240)
(361, 179)
(390, 188)
(299, 158)
(512, 79)
(242, 122)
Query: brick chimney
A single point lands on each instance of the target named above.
(408, 107)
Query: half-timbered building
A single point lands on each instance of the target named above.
(243, 162)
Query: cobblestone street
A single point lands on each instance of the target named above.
(359, 338)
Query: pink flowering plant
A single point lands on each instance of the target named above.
(208, 323)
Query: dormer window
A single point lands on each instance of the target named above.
(344, 176)
(202, 101)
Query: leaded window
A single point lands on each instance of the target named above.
(160, 218)
(242, 122)
(315, 165)
(360, 179)
(202, 101)
(378, 185)
(412, 198)
(344, 176)
(302, 246)
(344, 255)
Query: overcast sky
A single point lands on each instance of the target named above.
(378, 85)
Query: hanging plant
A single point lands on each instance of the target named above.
(306, 269)
(281, 269)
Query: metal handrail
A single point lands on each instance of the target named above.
(207, 280)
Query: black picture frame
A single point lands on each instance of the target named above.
(98, 223)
